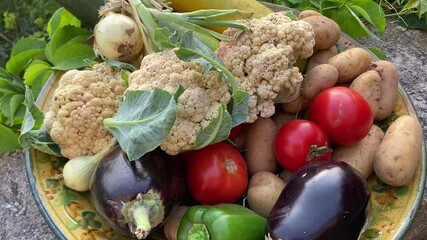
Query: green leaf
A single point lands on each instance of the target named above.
(8, 139)
(36, 75)
(348, 22)
(61, 18)
(143, 121)
(413, 21)
(379, 54)
(217, 130)
(26, 44)
(35, 68)
(239, 107)
(64, 36)
(371, 11)
(19, 62)
(32, 121)
(10, 83)
(73, 56)
(10, 104)
(41, 140)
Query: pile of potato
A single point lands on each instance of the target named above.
(393, 156)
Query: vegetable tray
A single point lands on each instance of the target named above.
(70, 214)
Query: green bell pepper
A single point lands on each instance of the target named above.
(223, 221)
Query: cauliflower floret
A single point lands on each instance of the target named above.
(262, 60)
(197, 106)
(82, 100)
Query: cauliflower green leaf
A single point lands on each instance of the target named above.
(217, 130)
(143, 121)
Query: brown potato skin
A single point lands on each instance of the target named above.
(280, 118)
(326, 31)
(398, 156)
(361, 155)
(319, 78)
(389, 85)
(351, 63)
(260, 138)
(368, 84)
(308, 13)
(298, 105)
(170, 228)
(263, 191)
(321, 57)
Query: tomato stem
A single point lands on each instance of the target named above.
(316, 151)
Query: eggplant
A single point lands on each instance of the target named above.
(135, 197)
(323, 200)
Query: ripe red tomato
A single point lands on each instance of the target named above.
(216, 174)
(237, 130)
(300, 141)
(343, 113)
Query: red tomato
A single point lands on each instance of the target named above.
(216, 174)
(343, 113)
(300, 141)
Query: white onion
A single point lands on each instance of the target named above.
(118, 37)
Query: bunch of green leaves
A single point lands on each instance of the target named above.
(351, 15)
(32, 61)
(23, 18)
(410, 13)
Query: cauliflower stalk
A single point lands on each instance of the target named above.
(262, 60)
(80, 103)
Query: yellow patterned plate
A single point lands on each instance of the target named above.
(70, 214)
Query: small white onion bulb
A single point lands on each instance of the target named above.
(118, 37)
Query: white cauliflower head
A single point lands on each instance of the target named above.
(197, 106)
(82, 100)
(262, 59)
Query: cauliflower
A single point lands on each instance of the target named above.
(197, 106)
(82, 100)
(262, 60)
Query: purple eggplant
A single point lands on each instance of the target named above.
(321, 201)
(134, 197)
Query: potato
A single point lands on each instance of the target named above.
(321, 57)
(280, 118)
(285, 175)
(171, 225)
(389, 88)
(351, 63)
(260, 146)
(397, 158)
(263, 191)
(361, 155)
(298, 105)
(307, 13)
(318, 79)
(326, 31)
(368, 84)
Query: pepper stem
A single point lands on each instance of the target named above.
(198, 231)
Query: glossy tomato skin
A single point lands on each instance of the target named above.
(343, 113)
(216, 174)
(294, 140)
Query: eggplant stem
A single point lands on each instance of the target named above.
(142, 222)
(144, 212)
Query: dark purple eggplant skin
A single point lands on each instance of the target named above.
(322, 201)
(117, 180)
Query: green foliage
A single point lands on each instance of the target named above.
(32, 61)
(22, 18)
(355, 16)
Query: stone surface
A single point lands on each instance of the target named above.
(406, 48)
